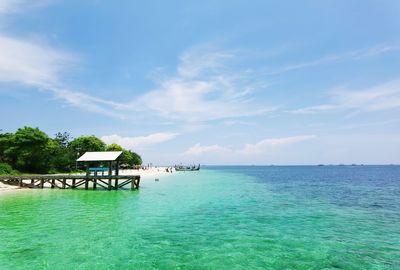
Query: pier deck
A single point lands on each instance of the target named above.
(73, 181)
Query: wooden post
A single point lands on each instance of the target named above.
(53, 182)
(137, 181)
(73, 183)
(116, 183)
(109, 183)
(133, 183)
(117, 168)
(20, 182)
(32, 183)
(109, 168)
(94, 183)
(41, 183)
(63, 183)
(86, 183)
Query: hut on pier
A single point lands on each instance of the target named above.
(94, 160)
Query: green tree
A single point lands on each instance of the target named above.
(114, 147)
(30, 150)
(83, 144)
(63, 139)
(5, 143)
(61, 160)
(6, 169)
(127, 156)
(137, 159)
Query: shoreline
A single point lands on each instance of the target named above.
(8, 188)
(145, 174)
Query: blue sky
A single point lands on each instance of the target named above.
(211, 82)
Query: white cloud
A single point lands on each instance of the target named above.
(262, 146)
(86, 102)
(197, 61)
(314, 109)
(202, 89)
(140, 141)
(16, 6)
(382, 97)
(30, 63)
(268, 144)
(340, 57)
(205, 85)
(41, 66)
(7, 6)
(198, 150)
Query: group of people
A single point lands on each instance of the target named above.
(170, 169)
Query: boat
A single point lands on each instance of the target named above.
(187, 168)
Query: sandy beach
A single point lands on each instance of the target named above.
(7, 188)
(146, 173)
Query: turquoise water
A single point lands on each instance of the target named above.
(332, 217)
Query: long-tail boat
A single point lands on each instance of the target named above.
(187, 168)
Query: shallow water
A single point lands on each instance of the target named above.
(331, 217)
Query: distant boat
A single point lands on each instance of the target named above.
(187, 168)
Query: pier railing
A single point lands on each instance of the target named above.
(73, 181)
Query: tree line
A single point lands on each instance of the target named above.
(30, 150)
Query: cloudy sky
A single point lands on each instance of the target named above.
(211, 82)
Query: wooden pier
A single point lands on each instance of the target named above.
(73, 181)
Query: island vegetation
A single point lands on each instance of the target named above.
(30, 150)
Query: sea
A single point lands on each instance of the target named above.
(221, 217)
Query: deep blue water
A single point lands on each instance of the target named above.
(370, 187)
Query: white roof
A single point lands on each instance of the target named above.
(100, 156)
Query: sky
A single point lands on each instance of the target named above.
(210, 82)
